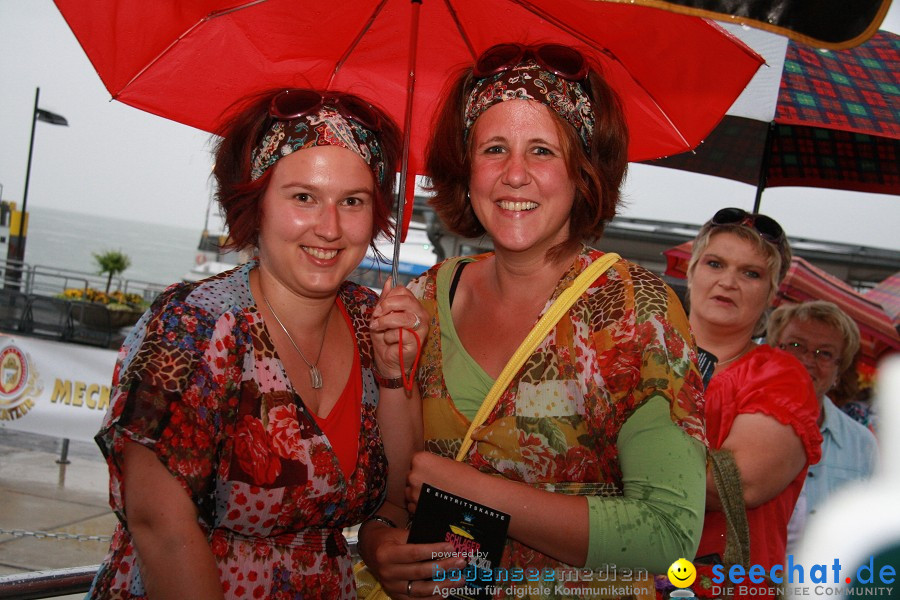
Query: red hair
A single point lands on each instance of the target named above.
(240, 197)
(597, 177)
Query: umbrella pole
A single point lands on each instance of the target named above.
(399, 220)
(764, 167)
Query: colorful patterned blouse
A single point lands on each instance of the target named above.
(198, 381)
(624, 341)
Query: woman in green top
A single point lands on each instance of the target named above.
(596, 449)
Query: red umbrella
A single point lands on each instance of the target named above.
(831, 24)
(836, 125)
(805, 282)
(677, 259)
(187, 61)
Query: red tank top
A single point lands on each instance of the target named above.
(342, 424)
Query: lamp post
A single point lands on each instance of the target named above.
(47, 117)
(16, 249)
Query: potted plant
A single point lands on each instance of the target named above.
(107, 310)
(112, 262)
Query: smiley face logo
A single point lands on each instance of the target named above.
(682, 573)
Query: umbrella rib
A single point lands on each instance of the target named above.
(460, 28)
(340, 62)
(578, 35)
(185, 33)
(225, 11)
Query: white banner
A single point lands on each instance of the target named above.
(54, 388)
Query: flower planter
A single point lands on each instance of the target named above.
(99, 316)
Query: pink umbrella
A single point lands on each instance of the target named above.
(887, 294)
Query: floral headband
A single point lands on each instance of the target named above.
(529, 81)
(326, 127)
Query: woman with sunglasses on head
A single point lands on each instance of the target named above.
(243, 432)
(596, 448)
(760, 403)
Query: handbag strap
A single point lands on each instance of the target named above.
(560, 306)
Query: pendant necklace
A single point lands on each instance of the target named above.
(315, 376)
(733, 358)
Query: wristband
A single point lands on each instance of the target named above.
(381, 519)
(390, 383)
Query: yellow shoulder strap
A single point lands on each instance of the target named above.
(559, 307)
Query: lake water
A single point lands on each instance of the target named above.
(159, 253)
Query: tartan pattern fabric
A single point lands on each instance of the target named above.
(837, 125)
(831, 158)
(733, 150)
(851, 90)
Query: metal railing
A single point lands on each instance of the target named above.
(47, 280)
(34, 301)
(74, 580)
(47, 584)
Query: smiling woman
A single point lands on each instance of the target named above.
(324, 194)
(514, 144)
(595, 447)
(246, 409)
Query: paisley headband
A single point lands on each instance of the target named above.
(326, 127)
(529, 81)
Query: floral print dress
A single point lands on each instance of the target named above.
(198, 381)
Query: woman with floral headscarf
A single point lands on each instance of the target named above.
(243, 430)
(596, 448)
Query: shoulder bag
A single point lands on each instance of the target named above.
(367, 587)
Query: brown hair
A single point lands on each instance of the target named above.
(240, 197)
(597, 176)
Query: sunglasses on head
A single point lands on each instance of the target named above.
(293, 104)
(554, 58)
(767, 227)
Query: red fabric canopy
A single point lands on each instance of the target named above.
(188, 61)
(887, 294)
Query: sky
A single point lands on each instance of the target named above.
(118, 161)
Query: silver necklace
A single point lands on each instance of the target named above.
(315, 376)
(732, 359)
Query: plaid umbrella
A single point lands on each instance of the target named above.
(804, 282)
(887, 294)
(831, 24)
(836, 125)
